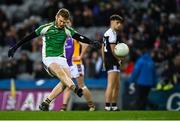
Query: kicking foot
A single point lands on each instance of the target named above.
(44, 106)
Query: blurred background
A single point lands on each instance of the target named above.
(24, 83)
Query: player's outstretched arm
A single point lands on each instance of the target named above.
(27, 38)
(83, 39)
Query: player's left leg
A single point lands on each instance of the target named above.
(54, 93)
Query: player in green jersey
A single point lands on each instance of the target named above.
(53, 56)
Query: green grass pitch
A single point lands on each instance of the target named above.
(84, 115)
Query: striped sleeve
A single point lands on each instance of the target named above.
(72, 31)
(43, 29)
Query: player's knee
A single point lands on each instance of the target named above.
(84, 87)
(80, 84)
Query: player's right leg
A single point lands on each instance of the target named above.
(63, 74)
(115, 93)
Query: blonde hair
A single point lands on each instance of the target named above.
(64, 13)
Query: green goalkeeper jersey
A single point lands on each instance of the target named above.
(54, 39)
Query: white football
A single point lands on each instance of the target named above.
(121, 49)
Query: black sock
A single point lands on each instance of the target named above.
(114, 104)
(107, 104)
(48, 101)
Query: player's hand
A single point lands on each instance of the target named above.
(96, 44)
(77, 58)
(120, 62)
(121, 59)
(11, 51)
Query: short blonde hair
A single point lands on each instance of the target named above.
(64, 13)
